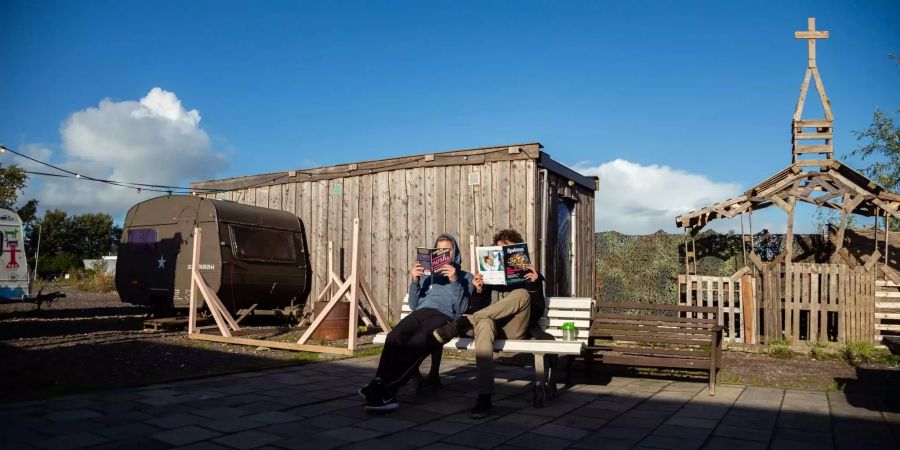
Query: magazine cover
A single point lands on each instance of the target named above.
(440, 257)
(432, 259)
(423, 256)
(490, 264)
(517, 261)
(503, 265)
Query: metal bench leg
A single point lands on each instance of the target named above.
(544, 380)
(540, 381)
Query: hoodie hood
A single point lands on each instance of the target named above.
(457, 259)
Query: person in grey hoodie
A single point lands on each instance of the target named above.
(435, 300)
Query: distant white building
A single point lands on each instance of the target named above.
(110, 263)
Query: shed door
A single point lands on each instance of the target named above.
(565, 250)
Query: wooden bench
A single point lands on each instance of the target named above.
(559, 310)
(663, 336)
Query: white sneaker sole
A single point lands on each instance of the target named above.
(385, 407)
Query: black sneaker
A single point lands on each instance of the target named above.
(482, 406)
(384, 402)
(453, 329)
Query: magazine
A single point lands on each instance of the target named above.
(432, 259)
(503, 265)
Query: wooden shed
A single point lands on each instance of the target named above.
(404, 202)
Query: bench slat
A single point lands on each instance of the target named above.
(682, 308)
(641, 361)
(507, 345)
(656, 318)
(649, 339)
(649, 351)
(562, 314)
(651, 328)
(569, 303)
(580, 324)
(649, 323)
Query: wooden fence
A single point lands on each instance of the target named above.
(722, 293)
(799, 302)
(887, 309)
(817, 302)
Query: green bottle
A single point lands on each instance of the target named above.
(569, 332)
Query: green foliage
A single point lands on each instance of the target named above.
(819, 351)
(66, 240)
(12, 182)
(58, 264)
(882, 140)
(780, 349)
(95, 279)
(637, 268)
(857, 353)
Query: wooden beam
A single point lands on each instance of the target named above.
(873, 259)
(740, 273)
(273, 344)
(756, 261)
(786, 206)
(789, 237)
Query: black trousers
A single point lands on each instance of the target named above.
(407, 345)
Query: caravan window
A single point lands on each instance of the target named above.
(142, 239)
(263, 244)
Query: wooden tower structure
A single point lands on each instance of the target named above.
(798, 300)
(812, 137)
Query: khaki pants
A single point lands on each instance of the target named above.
(507, 318)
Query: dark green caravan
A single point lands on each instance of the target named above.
(249, 255)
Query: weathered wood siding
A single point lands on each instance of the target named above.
(406, 208)
(400, 210)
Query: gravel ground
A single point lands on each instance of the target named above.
(86, 342)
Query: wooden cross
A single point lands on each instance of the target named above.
(811, 35)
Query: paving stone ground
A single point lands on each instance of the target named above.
(315, 406)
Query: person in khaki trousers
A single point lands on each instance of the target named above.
(498, 312)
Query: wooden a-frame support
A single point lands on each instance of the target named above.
(354, 289)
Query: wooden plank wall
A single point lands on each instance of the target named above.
(798, 298)
(400, 210)
(719, 292)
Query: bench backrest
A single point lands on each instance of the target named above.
(559, 311)
(663, 324)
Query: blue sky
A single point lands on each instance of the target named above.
(706, 89)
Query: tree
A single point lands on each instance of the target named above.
(883, 140)
(66, 240)
(12, 181)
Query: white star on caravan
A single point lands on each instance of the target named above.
(162, 262)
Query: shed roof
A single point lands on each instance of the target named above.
(474, 156)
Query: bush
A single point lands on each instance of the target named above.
(780, 349)
(857, 353)
(95, 279)
(58, 264)
(818, 351)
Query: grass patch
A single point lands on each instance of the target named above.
(819, 351)
(780, 349)
(371, 351)
(856, 353)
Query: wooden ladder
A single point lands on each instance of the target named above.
(812, 137)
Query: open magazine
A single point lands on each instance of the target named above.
(503, 265)
(432, 259)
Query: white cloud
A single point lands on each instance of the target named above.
(154, 140)
(638, 199)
